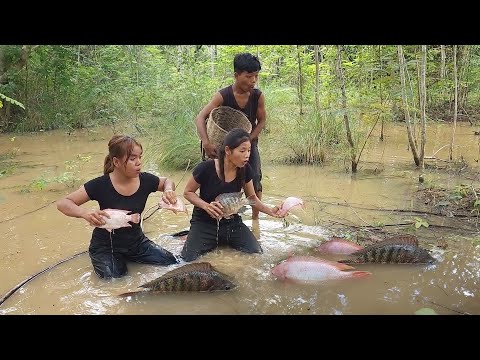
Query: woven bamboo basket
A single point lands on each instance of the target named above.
(223, 119)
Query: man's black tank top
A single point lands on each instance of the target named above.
(250, 108)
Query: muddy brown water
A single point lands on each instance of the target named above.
(36, 235)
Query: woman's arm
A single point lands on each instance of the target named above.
(259, 205)
(70, 206)
(214, 209)
(167, 186)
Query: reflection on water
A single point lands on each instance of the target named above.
(44, 237)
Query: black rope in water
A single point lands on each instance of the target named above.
(12, 291)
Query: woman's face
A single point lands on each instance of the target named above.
(133, 165)
(240, 155)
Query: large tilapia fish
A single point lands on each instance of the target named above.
(119, 219)
(314, 269)
(397, 250)
(200, 276)
(232, 203)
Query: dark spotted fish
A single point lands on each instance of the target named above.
(232, 203)
(395, 250)
(191, 277)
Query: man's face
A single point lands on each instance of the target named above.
(246, 80)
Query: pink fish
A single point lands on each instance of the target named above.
(313, 269)
(119, 219)
(290, 203)
(338, 245)
(179, 206)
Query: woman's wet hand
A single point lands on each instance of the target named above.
(169, 196)
(276, 212)
(215, 210)
(96, 217)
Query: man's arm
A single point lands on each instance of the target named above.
(261, 118)
(216, 101)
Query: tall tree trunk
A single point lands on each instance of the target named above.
(463, 79)
(443, 57)
(455, 101)
(423, 100)
(213, 58)
(381, 92)
(401, 60)
(300, 79)
(341, 79)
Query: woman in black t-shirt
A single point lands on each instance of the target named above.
(231, 172)
(123, 186)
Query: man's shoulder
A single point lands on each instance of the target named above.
(225, 90)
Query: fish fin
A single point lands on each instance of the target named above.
(131, 293)
(124, 211)
(342, 266)
(109, 230)
(360, 273)
(135, 218)
(402, 239)
(242, 209)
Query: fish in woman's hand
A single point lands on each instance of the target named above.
(313, 269)
(290, 203)
(233, 203)
(118, 219)
(179, 206)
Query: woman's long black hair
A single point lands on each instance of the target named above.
(233, 139)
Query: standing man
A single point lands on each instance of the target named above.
(241, 95)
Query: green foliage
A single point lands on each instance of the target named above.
(419, 222)
(160, 88)
(425, 311)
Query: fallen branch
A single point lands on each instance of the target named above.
(16, 217)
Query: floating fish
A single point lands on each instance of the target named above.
(289, 203)
(233, 203)
(396, 250)
(119, 219)
(200, 276)
(338, 245)
(313, 269)
(179, 206)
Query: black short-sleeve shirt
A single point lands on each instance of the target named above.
(101, 189)
(211, 185)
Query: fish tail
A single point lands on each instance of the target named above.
(135, 218)
(131, 293)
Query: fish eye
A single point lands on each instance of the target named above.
(227, 287)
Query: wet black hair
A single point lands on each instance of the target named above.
(233, 139)
(246, 62)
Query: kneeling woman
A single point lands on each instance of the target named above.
(229, 173)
